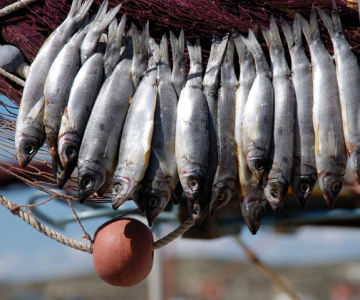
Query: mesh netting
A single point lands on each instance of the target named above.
(29, 27)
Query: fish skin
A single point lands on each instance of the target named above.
(161, 176)
(257, 123)
(304, 176)
(178, 75)
(192, 137)
(251, 193)
(348, 78)
(56, 92)
(330, 151)
(30, 134)
(100, 145)
(225, 180)
(91, 40)
(282, 149)
(140, 59)
(136, 138)
(112, 54)
(84, 91)
(210, 84)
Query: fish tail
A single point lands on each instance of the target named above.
(75, 6)
(140, 41)
(109, 16)
(229, 54)
(311, 31)
(177, 46)
(218, 46)
(267, 35)
(194, 53)
(83, 9)
(121, 28)
(252, 43)
(288, 34)
(101, 12)
(240, 45)
(336, 17)
(329, 24)
(297, 31)
(112, 31)
(145, 39)
(162, 54)
(275, 35)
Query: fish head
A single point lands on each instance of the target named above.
(253, 208)
(198, 209)
(257, 164)
(91, 176)
(302, 186)
(275, 192)
(355, 163)
(221, 194)
(330, 185)
(122, 189)
(69, 145)
(191, 178)
(27, 144)
(62, 174)
(155, 201)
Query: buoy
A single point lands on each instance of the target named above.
(122, 252)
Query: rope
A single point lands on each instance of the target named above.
(43, 228)
(173, 235)
(14, 7)
(14, 78)
(81, 246)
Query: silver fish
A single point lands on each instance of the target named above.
(135, 143)
(348, 78)
(192, 136)
(330, 151)
(178, 75)
(304, 176)
(91, 40)
(100, 144)
(257, 123)
(159, 182)
(224, 184)
(251, 194)
(30, 134)
(282, 149)
(140, 59)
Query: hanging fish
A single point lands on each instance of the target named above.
(100, 144)
(348, 78)
(251, 193)
(136, 137)
(304, 176)
(330, 151)
(225, 179)
(192, 137)
(29, 133)
(277, 181)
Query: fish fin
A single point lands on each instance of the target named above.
(84, 8)
(153, 46)
(136, 38)
(37, 109)
(112, 32)
(101, 12)
(75, 6)
(329, 24)
(267, 36)
(218, 46)
(162, 54)
(109, 16)
(177, 45)
(121, 28)
(297, 31)
(275, 35)
(311, 31)
(241, 48)
(290, 39)
(145, 39)
(229, 53)
(194, 53)
(252, 43)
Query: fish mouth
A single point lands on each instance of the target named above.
(152, 215)
(275, 193)
(122, 189)
(253, 209)
(89, 181)
(198, 210)
(302, 186)
(27, 150)
(221, 194)
(330, 186)
(68, 149)
(62, 174)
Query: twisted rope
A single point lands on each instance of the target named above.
(12, 77)
(81, 246)
(14, 7)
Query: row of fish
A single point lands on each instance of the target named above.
(119, 113)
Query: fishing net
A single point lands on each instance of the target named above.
(28, 28)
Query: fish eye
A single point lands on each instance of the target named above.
(274, 191)
(193, 184)
(71, 152)
(117, 188)
(336, 187)
(60, 168)
(304, 187)
(153, 202)
(259, 165)
(259, 212)
(29, 149)
(196, 208)
(87, 182)
(221, 197)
